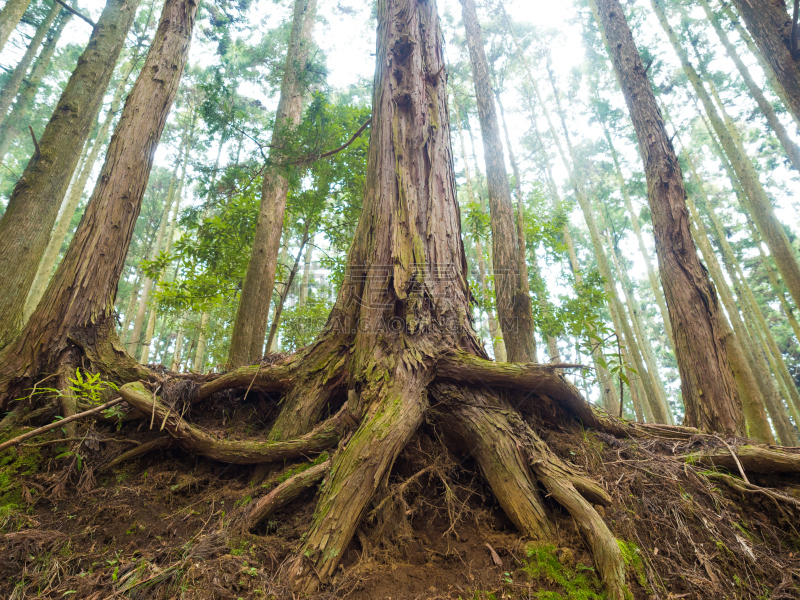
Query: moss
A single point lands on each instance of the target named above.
(580, 583)
(299, 469)
(633, 561)
(16, 463)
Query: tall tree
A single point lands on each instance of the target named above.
(11, 86)
(10, 16)
(513, 299)
(771, 27)
(252, 315)
(75, 317)
(707, 382)
(14, 123)
(26, 225)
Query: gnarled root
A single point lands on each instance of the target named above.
(395, 411)
(265, 378)
(286, 492)
(161, 443)
(483, 431)
(243, 452)
(753, 458)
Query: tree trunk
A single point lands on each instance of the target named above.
(11, 86)
(301, 301)
(757, 201)
(707, 383)
(287, 286)
(790, 147)
(13, 124)
(727, 8)
(513, 303)
(200, 351)
(9, 18)
(175, 365)
(59, 234)
(655, 284)
(77, 310)
(128, 315)
(771, 25)
(498, 345)
(26, 225)
(252, 315)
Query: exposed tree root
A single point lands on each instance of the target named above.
(243, 452)
(269, 378)
(395, 410)
(758, 459)
(285, 493)
(748, 488)
(161, 443)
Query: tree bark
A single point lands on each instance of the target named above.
(78, 307)
(707, 382)
(513, 303)
(252, 315)
(14, 122)
(9, 18)
(11, 86)
(74, 196)
(771, 25)
(200, 352)
(26, 225)
(790, 147)
(757, 202)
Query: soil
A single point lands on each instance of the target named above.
(168, 525)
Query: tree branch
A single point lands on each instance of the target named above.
(76, 13)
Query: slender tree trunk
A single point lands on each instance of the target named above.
(78, 307)
(741, 358)
(301, 301)
(758, 203)
(167, 242)
(73, 198)
(175, 365)
(627, 351)
(287, 286)
(498, 345)
(13, 125)
(707, 382)
(727, 8)
(790, 147)
(26, 225)
(522, 246)
(513, 303)
(129, 312)
(252, 315)
(9, 18)
(770, 25)
(766, 390)
(200, 351)
(11, 86)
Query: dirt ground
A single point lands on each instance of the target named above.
(168, 524)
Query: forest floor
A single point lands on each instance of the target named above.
(166, 525)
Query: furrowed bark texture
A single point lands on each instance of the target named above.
(513, 301)
(73, 199)
(78, 306)
(33, 206)
(11, 87)
(707, 383)
(771, 27)
(9, 18)
(252, 315)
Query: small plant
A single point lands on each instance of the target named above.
(91, 388)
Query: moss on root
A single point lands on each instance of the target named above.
(16, 463)
(548, 563)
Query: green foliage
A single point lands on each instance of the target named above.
(300, 325)
(580, 583)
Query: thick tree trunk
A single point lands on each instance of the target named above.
(26, 225)
(771, 27)
(513, 303)
(13, 124)
(757, 202)
(9, 18)
(252, 315)
(77, 310)
(790, 147)
(73, 199)
(11, 86)
(709, 390)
